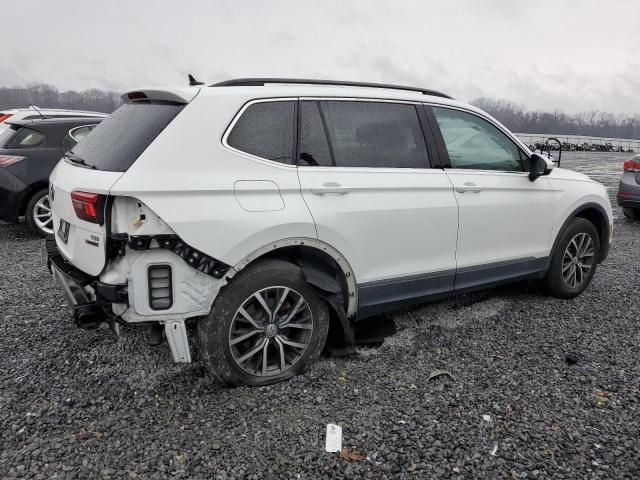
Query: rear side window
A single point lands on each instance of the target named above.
(265, 130)
(313, 146)
(27, 138)
(120, 138)
(375, 134)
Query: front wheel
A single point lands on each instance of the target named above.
(266, 326)
(574, 260)
(38, 214)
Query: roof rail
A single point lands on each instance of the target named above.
(255, 82)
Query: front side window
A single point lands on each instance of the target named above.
(474, 143)
(266, 130)
(375, 134)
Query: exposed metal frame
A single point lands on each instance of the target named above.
(260, 82)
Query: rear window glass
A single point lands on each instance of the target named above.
(266, 130)
(120, 138)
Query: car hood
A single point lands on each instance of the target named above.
(564, 174)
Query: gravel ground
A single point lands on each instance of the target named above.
(77, 404)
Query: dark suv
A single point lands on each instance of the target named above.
(29, 150)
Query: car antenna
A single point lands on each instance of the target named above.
(39, 112)
(193, 82)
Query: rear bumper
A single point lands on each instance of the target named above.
(88, 297)
(12, 194)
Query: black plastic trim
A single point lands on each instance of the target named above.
(381, 296)
(117, 243)
(443, 153)
(55, 257)
(496, 273)
(606, 227)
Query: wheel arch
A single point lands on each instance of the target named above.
(597, 215)
(324, 266)
(32, 190)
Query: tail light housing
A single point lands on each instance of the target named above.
(632, 165)
(4, 117)
(87, 206)
(6, 160)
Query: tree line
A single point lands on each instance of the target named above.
(514, 116)
(593, 123)
(47, 96)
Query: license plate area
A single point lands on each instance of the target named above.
(63, 231)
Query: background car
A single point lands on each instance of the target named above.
(629, 189)
(29, 149)
(33, 113)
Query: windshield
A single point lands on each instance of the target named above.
(120, 139)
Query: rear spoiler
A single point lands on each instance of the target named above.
(180, 95)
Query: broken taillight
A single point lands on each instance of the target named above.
(85, 205)
(6, 160)
(631, 165)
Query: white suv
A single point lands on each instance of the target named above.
(33, 113)
(264, 216)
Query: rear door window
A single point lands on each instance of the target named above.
(266, 130)
(313, 147)
(375, 134)
(118, 140)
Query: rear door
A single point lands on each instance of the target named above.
(91, 168)
(365, 175)
(505, 219)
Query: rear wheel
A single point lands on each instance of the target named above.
(632, 213)
(38, 214)
(574, 260)
(266, 326)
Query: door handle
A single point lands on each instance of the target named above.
(330, 188)
(469, 187)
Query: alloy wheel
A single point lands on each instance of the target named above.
(42, 215)
(270, 332)
(578, 260)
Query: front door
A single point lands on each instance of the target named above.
(505, 219)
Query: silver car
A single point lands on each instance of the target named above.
(629, 189)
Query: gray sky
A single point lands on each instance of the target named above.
(574, 55)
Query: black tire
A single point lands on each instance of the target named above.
(554, 280)
(632, 213)
(215, 331)
(29, 213)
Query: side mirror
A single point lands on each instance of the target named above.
(539, 165)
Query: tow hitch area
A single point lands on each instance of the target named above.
(88, 308)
